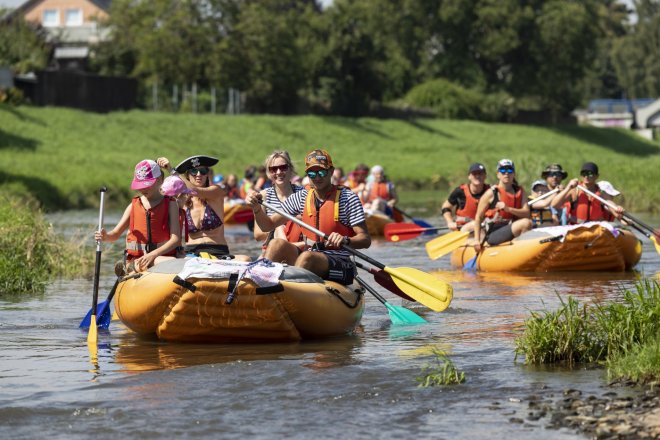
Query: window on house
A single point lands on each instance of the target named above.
(73, 17)
(51, 17)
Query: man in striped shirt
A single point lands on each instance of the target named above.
(335, 211)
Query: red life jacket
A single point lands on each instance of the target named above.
(137, 239)
(510, 200)
(469, 211)
(327, 220)
(379, 190)
(586, 209)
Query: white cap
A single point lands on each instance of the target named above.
(608, 188)
(377, 169)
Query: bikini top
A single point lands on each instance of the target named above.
(210, 220)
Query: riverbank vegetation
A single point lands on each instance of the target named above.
(62, 156)
(32, 252)
(624, 334)
(441, 371)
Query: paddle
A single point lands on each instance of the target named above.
(407, 231)
(447, 243)
(424, 288)
(102, 311)
(398, 315)
(651, 233)
(385, 280)
(417, 221)
(92, 335)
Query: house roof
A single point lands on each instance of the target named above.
(29, 4)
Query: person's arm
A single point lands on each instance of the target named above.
(116, 232)
(266, 223)
(522, 212)
(164, 163)
(566, 194)
(209, 192)
(482, 207)
(448, 207)
(361, 239)
(394, 199)
(147, 260)
(260, 235)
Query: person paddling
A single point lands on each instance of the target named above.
(380, 194)
(465, 200)
(152, 220)
(583, 208)
(335, 211)
(503, 204)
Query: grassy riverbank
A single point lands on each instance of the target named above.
(624, 334)
(31, 252)
(62, 156)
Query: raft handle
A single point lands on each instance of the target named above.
(551, 239)
(183, 283)
(336, 293)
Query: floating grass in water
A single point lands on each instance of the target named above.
(623, 334)
(441, 372)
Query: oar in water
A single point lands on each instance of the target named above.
(418, 221)
(92, 334)
(102, 311)
(447, 243)
(398, 315)
(645, 229)
(407, 231)
(424, 288)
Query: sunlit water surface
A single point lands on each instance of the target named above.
(359, 386)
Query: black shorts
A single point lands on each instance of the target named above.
(220, 251)
(499, 233)
(340, 269)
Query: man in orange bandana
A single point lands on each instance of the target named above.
(336, 211)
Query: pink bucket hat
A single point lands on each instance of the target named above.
(174, 186)
(146, 174)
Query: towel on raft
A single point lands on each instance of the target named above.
(557, 231)
(263, 272)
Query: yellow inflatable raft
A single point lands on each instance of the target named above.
(589, 247)
(300, 306)
(376, 224)
(237, 213)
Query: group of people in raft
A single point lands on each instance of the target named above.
(187, 207)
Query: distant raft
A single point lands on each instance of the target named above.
(237, 213)
(376, 223)
(299, 306)
(594, 246)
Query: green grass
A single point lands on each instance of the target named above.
(31, 253)
(624, 334)
(63, 156)
(441, 371)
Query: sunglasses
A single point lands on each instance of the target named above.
(319, 173)
(195, 171)
(587, 174)
(556, 174)
(281, 168)
(506, 170)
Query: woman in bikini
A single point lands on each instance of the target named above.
(204, 209)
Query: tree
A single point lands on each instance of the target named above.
(23, 45)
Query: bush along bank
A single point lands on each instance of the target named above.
(31, 252)
(625, 337)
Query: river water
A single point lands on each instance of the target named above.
(359, 386)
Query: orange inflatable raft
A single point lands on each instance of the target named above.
(589, 247)
(376, 223)
(237, 213)
(300, 306)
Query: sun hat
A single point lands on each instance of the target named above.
(174, 186)
(608, 188)
(476, 168)
(506, 163)
(318, 158)
(146, 173)
(554, 168)
(194, 162)
(589, 166)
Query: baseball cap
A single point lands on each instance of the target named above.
(476, 168)
(608, 188)
(506, 163)
(318, 158)
(173, 186)
(146, 174)
(538, 182)
(377, 169)
(589, 166)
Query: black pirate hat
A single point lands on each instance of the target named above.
(194, 162)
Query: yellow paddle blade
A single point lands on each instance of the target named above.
(655, 242)
(422, 287)
(444, 244)
(114, 316)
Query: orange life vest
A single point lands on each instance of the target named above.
(469, 211)
(379, 190)
(510, 200)
(327, 220)
(586, 209)
(145, 222)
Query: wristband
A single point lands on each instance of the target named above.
(445, 210)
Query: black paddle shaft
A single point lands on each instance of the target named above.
(370, 289)
(97, 264)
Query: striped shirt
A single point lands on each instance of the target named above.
(272, 199)
(351, 212)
